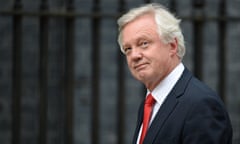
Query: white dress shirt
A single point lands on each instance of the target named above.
(162, 90)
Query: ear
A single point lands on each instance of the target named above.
(173, 47)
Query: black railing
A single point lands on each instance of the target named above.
(17, 73)
(95, 73)
(222, 50)
(43, 74)
(198, 18)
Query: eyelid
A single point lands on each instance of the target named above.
(144, 43)
(126, 49)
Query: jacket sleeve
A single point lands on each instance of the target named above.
(207, 123)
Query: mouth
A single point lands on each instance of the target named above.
(140, 66)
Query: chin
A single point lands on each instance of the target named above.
(141, 77)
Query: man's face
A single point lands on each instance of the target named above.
(148, 58)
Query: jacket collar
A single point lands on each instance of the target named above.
(167, 107)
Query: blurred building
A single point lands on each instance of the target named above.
(63, 79)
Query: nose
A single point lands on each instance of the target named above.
(136, 54)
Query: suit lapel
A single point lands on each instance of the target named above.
(167, 107)
(139, 122)
(160, 118)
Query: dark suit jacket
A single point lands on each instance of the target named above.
(191, 114)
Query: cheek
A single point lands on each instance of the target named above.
(129, 64)
(158, 62)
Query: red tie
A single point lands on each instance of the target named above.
(148, 105)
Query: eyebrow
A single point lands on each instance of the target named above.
(139, 38)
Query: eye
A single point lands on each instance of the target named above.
(144, 44)
(127, 50)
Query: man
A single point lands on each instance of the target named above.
(181, 109)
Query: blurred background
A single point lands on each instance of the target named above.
(63, 79)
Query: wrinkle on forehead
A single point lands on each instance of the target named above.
(142, 27)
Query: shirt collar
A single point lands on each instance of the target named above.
(165, 86)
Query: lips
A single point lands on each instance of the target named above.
(140, 66)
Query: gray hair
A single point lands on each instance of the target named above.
(167, 23)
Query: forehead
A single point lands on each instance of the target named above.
(143, 26)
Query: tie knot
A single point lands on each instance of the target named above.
(150, 100)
